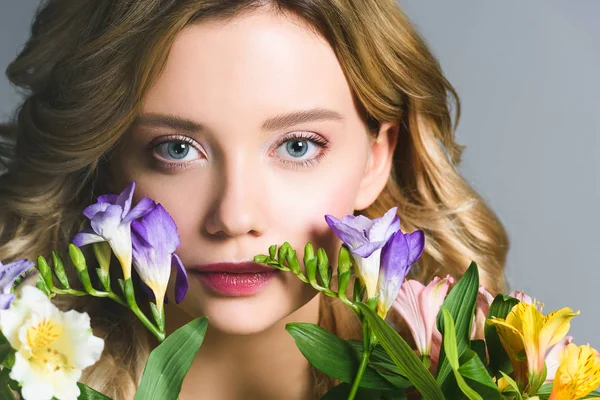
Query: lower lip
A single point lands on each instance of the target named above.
(236, 284)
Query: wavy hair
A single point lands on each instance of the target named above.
(83, 82)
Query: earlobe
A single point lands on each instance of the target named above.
(379, 166)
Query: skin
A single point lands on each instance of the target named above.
(239, 190)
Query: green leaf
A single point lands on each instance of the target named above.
(5, 350)
(402, 355)
(5, 392)
(499, 360)
(87, 393)
(513, 385)
(451, 349)
(460, 302)
(476, 376)
(593, 395)
(341, 392)
(383, 365)
(333, 356)
(465, 388)
(170, 361)
(449, 338)
(394, 377)
(478, 346)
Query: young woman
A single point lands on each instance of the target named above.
(248, 120)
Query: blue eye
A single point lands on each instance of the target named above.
(176, 151)
(297, 149)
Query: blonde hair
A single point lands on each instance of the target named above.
(84, 85)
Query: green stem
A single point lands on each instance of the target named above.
(363, 362)
(130, 296)
(147, 323)
(111, 295)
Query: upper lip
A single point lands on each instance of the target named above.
(235, 268)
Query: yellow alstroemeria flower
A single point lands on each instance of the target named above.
(578, 373)
(525, 328)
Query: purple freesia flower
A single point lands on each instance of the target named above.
(155, 239)
(8, 274)
(111, 219)
(365, 238)
(397, 256)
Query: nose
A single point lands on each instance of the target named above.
(237, 205)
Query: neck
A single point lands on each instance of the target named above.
(265, 365)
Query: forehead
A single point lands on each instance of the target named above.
(255, 64)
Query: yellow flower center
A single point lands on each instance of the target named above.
(42, 335)
(40, 338)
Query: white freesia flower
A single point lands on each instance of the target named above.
(52, 347)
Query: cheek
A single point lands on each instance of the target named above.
(301, 208)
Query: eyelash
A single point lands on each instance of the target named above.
(169, 165)
(316, 139)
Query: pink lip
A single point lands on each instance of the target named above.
(234, 279)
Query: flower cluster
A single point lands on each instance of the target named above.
(43, 349)
(469, 344)
(150, 248)
(382, 252)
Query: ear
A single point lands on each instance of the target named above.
(379, 165)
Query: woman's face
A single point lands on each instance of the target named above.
(248, 138)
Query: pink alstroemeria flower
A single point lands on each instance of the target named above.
(419, 306)
(553, 357)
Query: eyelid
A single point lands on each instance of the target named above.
(315, 138)
(303, 135)
(175, 166)
(175, 138)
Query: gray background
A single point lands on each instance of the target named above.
(528, 73)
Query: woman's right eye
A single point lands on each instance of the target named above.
(176, 151)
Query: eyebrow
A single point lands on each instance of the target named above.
(272, 124)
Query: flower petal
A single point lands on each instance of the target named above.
(553, 357)
(181, 281)
(556, 327)
(517, 294)
(106, 222)
(124, 199)
(161, 230)
(6, 299)
(87, 236)
(367, 249)
(348, 234)
(11, 271)
(108, 198)
(384, 227)
(92, 210)
(143, 207)
(416, 245)
(408, 306)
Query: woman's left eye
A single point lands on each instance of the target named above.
(176, 151)
(301, 148)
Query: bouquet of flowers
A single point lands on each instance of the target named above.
(469, 345)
